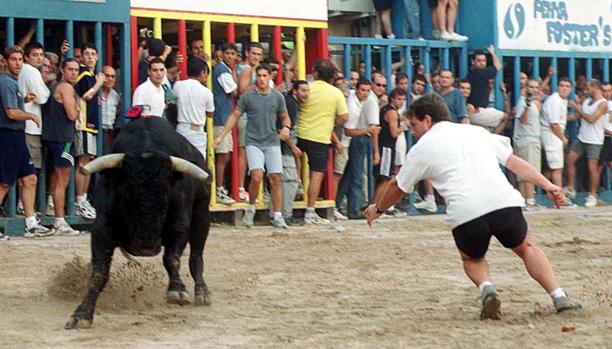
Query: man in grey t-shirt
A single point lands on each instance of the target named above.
(263, 107)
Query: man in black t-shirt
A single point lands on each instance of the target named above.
(478, 77)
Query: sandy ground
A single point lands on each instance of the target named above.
(397, 285)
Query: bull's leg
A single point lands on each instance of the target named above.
(177, 293)
(200, 224)
(101, 256)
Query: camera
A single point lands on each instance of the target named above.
(528, 99)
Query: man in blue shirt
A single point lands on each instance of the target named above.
(453, 97)
(15, 160)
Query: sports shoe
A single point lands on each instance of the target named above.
(591, 201)
(65, 230)
(294, 222)
(566, 303)
(339, 216)
(314, 218)
(20, 211)
(85, 210)
(571, 194)
(37, 231)
(4, 237)
(249, 215)
(279, 222)
(243, 195)
(435, 34)
(458, 37)
(50, 210)
(532, 206)
(568, 204)
(299, 195)
(446, 36)
(223, 197)
(490, 304)
(391, 36)
(428, 205)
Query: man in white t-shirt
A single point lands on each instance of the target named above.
(195, 103)
(526, 138)
(606, 152)
(150, 93)
(462, 162)
(552, 129)
(589, 141)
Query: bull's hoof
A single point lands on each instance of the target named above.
(75, 323)
(178, 297)
(203, 299)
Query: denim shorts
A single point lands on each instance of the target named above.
(271, 157)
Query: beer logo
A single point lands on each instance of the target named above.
(514, 21)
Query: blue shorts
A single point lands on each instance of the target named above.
(15, 159)
(60, 154)
(271, 157)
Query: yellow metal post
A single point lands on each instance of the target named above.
(300, 49)
(206, 36)
(157, 27)
(254, 32)
(210, 135)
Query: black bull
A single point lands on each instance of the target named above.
(146, 199)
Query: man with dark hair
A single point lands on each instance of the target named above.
(264, 106)
(463, 162)
(195, 103)
(151, 93)
(479, 77)
(324, 108)
(224, 90)
(197, 50)
(418, 87)
(354, 78)
(156, 48)
(31, 82)
(245, 71)
(58, 136)
(87, 87)
(362, 123)
(402, 81)
(15, 160)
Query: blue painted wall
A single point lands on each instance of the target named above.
(106, 11)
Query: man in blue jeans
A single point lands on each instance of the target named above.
(362, 124)
(412, 24)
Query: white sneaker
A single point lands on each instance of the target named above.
(65, 230)
(339, 216)
(391, 36)
(4, 237)
(279, 222)
(85, 210)
(50, 210)
(427, 205)
(37, 231)
(532, 206)
(591, 201)
(223, 197)
(435, 34)
(446, 36)
(377, 36)
(568, 204)
(458, 37)
(243, 195)
(571, 194)
(312, 218)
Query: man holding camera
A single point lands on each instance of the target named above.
(526, 138)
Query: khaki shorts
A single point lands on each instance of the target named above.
(554, 157)
(226, 145)
(35, 147)
(530, 152)
(592, 151)
(242, 123)
(340, 161)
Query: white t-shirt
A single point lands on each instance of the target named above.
(148, 95)
(194, 101)
(529, 132)
(362, 113)
(609, 118)
(592, 133)
(554, 111)
(30, 80)
(109, 109)
(462, 162)
(226, 80)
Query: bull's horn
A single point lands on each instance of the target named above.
(186, 167)
(102, 163)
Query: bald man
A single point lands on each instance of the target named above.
(110, 107)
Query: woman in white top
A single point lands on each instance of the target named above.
(462, 162)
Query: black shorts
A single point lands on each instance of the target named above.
(606, 151)
(507, 225)
(60, 154)
(318, 154)
(381, 5)
(15, 159)
(386, 168)
(433, 3)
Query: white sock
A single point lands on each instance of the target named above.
(430, 198)
(81, 198)
(59, 222)
(530, 201)
(50, 200)
(278, 215)
(483, 285)
(310, 210)
(31, 222)
(558, 293)
(241, 189)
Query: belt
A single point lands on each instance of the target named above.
(193, 127)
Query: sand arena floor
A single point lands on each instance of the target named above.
(397, 285)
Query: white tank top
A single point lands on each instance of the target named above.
(609, 117)
(592, 133)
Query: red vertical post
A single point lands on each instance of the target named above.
(231, 37)
(182, 46)
(134, 37)
(278, 52)
(108, 36)
(323, 53)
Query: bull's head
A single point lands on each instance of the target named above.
(144, 187)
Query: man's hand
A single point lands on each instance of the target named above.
(491, 49)
(284, 134)
(64, 48)
(179, 58)
(35, 119)
(100, 78)
(29, 97)
(167, 51)
(217, 141)
(339, 148)
(373, 130)
(556, 195)
(370, 214)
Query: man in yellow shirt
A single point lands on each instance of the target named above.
(325, 107)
